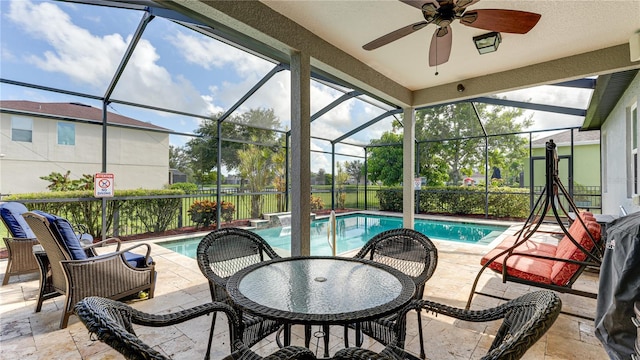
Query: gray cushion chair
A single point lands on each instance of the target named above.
(112, 323)
(77, 271)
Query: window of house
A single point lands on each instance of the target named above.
(66, 133)
(21, 129)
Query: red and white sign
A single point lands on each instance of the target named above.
(103, 185)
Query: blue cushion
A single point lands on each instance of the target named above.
(66, 235)
(11, 213)
(136, 260)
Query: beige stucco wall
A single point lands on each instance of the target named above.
(137, 158)
(616, 166)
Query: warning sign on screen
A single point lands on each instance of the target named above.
(103, 185)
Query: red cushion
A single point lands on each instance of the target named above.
(563, 271)
(528, 246)
(524, 267)
(543, 270)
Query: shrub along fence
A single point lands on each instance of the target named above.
(502, 202)
(136, 212)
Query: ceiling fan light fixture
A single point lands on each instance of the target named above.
(488, 42)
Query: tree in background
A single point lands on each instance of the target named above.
(320, 178)
(465, 155)
(204, 150)
(280, 174)
(385, 161)
(255, 165)
(180, 160)
(341, 180)
(354, 169)
(328, 179)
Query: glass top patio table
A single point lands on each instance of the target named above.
(320, 290)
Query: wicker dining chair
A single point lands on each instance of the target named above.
(19, 243)
(410, 252)
(78, 272)
(112, 323)
(222, 253)
(524, 321)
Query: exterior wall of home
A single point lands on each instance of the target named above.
(586, 165)
(616, 164)
(138, 158)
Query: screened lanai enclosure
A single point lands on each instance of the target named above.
(196, 127)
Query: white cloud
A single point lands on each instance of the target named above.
(85, 58)
(92, 60)
(210, 53)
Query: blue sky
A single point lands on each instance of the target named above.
(78, 48)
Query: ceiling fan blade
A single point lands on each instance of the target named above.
(394, 35)
(462, 4)
(419, 3)
(501, 20)
(440, 47)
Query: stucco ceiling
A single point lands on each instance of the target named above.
(566, 28)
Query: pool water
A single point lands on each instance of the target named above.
(353, 231)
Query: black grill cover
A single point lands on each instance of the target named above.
(619, 287)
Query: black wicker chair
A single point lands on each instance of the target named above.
(112, 322)
(525, 320)
(406, 250)
(224, 252)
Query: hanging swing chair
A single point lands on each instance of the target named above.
(520, 259)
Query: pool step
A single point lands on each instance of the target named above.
(259, 223)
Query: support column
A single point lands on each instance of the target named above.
(408, 163)
(300, 154)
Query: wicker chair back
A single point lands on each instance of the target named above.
(525, 320)
(222, 253)
(414, 254)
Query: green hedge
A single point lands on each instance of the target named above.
(130, 207)
(503, 201)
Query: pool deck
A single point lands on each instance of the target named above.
(27, 335)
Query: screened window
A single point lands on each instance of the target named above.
(66, 133)
(21, 129)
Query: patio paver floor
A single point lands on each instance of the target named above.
(26, 335)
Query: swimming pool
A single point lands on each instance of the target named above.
(353, 231)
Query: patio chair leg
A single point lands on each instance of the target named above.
(422, 355)
(346, 336)
(213, 325)
(7, 274)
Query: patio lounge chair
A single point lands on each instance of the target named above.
(222, 253)
(414, 254)
(112, 323)
(524, 321)
(20, 243)
(78, 275)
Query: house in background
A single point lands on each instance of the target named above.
(614, 110)
(585, 159)
(40, 138)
